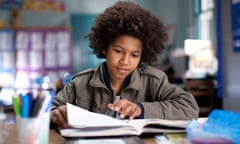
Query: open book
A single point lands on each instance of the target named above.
(84, 123)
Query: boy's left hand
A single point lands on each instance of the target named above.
(125, 108)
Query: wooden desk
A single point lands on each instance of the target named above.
(54, 137)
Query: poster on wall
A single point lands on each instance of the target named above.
(7, 63)
(9, 4)
(42, 52)
(235, 8)
(34, 5)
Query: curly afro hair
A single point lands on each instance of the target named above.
(127, 18)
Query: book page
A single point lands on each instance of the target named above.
(80, 118)
(98, 132)
(141, 123)
(93, 123)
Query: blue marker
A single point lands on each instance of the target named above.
(25, 105)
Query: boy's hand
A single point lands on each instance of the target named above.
(125, 108)
(59, 116)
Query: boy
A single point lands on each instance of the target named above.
(125, 85)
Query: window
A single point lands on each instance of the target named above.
(204, 19)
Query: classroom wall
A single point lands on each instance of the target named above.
(169, 11)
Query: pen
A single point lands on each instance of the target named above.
(16, 104)
(37, 102)
(25, 105)
(30, 97)
(33, 109)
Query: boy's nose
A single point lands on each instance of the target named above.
(125, 59)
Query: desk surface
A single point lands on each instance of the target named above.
(54, 137)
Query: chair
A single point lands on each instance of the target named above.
(204, 92)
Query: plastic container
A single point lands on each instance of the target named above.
(197, 135)
(221, 127)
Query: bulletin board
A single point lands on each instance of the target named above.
(235, 8)
(7, 61)
(42, 52)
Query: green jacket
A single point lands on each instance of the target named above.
(148, 86)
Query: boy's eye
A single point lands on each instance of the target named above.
(117, 50)
(135, 55)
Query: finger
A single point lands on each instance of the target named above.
(124, 108)
(131, 110)
(122, 105)
(60, 119)
(53, 119)
(117, 105)
(63, 111)
(126, 111)
(54, 116)
(135, 113)
(111, 106)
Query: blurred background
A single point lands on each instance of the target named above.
(42, 41)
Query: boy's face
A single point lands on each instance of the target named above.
(123, 56)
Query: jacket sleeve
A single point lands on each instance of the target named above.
(64, 96)
(170, 102)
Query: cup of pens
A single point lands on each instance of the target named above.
(32, 109)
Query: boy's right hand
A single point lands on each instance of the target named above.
(59, 116)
